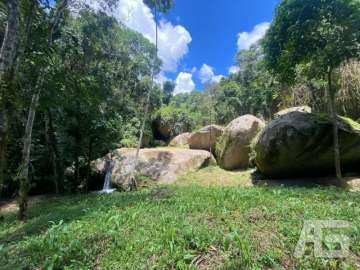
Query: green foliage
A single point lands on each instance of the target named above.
(168, 90)
(324, 33)
(110, 59)
(253, 90)
(228, 103)
(184, 113)
(221, 143)
(161, 5)
(97, 76)
(179, 119)
(130, 133)
(250, 91)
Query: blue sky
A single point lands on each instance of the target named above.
(198, 39)
(214, 26)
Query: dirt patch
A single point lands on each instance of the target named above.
(355, 259)
(11, 206)
(257, 215)
(101, 243)
(354, 183)
(208, 260)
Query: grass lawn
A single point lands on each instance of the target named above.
(227, 224)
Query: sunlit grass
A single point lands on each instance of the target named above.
(215, 176)
(190, 225)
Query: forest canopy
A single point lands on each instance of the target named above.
(74, 84)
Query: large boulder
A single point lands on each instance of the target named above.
(301, 144)
(304, 109)
(233, 147)
(206, 137)
(161, 164)
(181, 140)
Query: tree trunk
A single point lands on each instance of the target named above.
(58, 166)
(24, 168)
(9, 45)
(78, 151)
(147, 105)
(337, 161)
(7, 60)
(3, 146)
(77, 171)
(88, 173)
(29, 16)
(52, 154)
(24, 174)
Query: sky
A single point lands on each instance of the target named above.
(214, 26)
(198, 39)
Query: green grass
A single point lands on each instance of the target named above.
(178, 227)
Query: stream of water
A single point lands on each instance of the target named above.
(109, 165)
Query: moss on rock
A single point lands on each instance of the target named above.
(300, 144)
(233, 148)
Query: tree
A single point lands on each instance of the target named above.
(322, 33)
(104, 70)
(54, 19)
(252, 90)
(85, 77)
(8, 55)
(8, 48)
(168, 90)
(228, 103)
(160, 5)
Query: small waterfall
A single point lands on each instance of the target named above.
(109, 165)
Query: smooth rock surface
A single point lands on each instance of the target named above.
(233, 147)
(304, 109)
(161, 164)
(181, 140)
(301, 144)
(206, 137)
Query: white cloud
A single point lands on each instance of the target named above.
(184, 83)
(173, 45)
(207, 75)
(246, 39)
(173, 39)
(217, 78)
(161, 79)
(234, 69)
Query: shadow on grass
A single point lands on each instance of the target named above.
(51, 211)
(258, 179)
